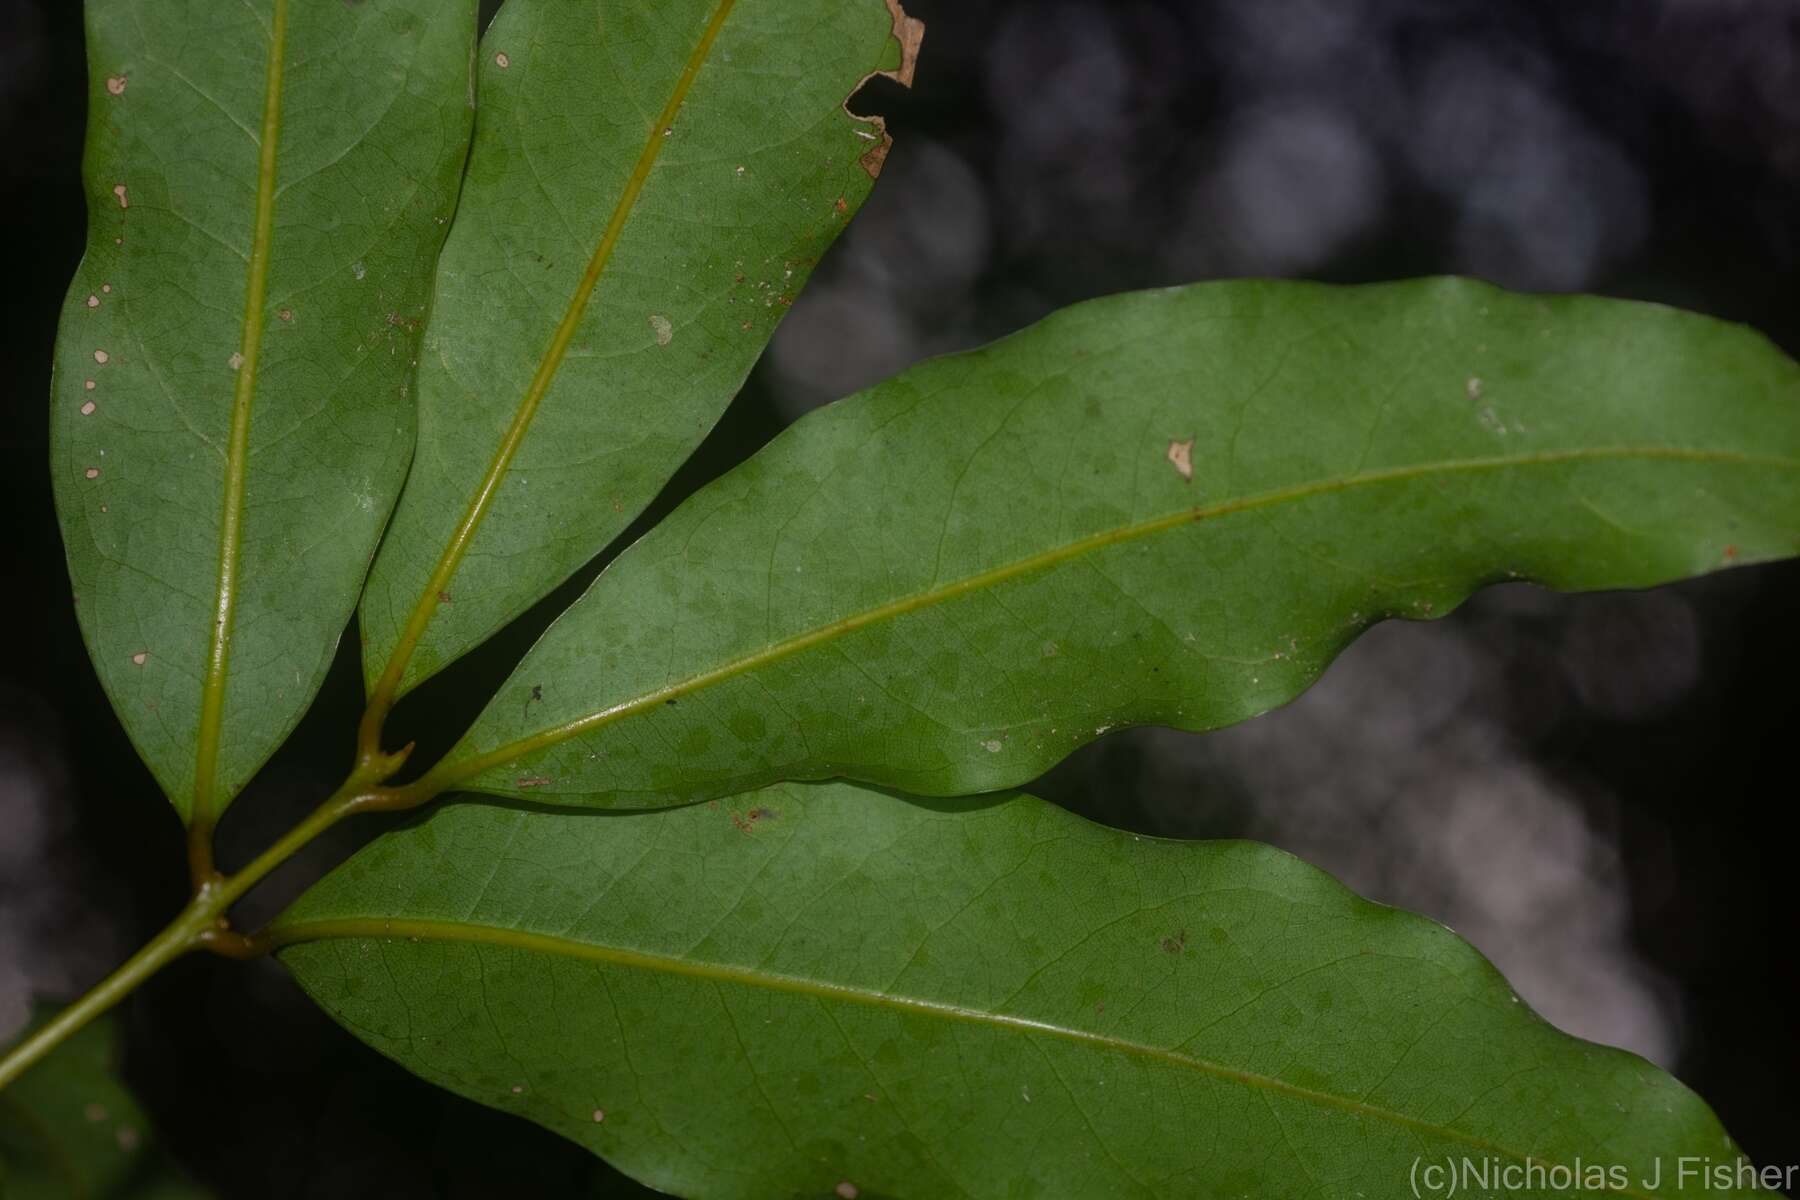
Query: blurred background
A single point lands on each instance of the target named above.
(1598, 791)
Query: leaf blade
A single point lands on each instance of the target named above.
(697, 226)
(949, 582)
(69, 1128)
(1028, 999)
(226, 273)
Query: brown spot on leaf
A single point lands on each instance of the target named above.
(1181, 456)
(501, 60)
(747, 822)
(1731, 553)
(286, 314)
(532, 781)
(1175, 943)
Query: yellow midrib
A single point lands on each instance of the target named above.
(237, 454)
(394, 672)
(451, 773)
(381, 929)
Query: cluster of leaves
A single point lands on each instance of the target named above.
(345, 344)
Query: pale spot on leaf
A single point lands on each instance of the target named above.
(92, 472)
(140, 658)
(502, 61)
(100, 357)
(87, 409)
(119, 191)
(127, 1138)
(665, 332)
(236, 360)
(599, 1115)
(116, 84)
(992, 746)
(1181, 455)
(93, 301)
(88, 384)
(1473, 388)
(847, 1190)
(94, 1111)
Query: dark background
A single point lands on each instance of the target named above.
(1597, 790)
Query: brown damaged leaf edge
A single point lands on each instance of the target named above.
(373, 764)
(910, 33)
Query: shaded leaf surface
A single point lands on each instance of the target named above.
(649, 186)
(815, 985)
(1172, 507)
(158, 341)
(69, 1130)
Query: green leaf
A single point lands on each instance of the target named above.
(1174, 507)
(649, 186)
(816, 986)
(69, 1130)
(267, 186)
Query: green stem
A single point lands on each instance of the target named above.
(181, 936)
(202, 925)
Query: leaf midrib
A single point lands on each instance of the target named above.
(468, 932)
(388, 687)
(451, 773)
(237, 453)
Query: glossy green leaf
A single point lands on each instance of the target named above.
(267, 186)
(69, 1130)
(1172, 507)
(649, 186)
(820, 990)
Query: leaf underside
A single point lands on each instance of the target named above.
(648, 188)
(815, 985)
(1172, 507)
(158, 342)
(69, 1130)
